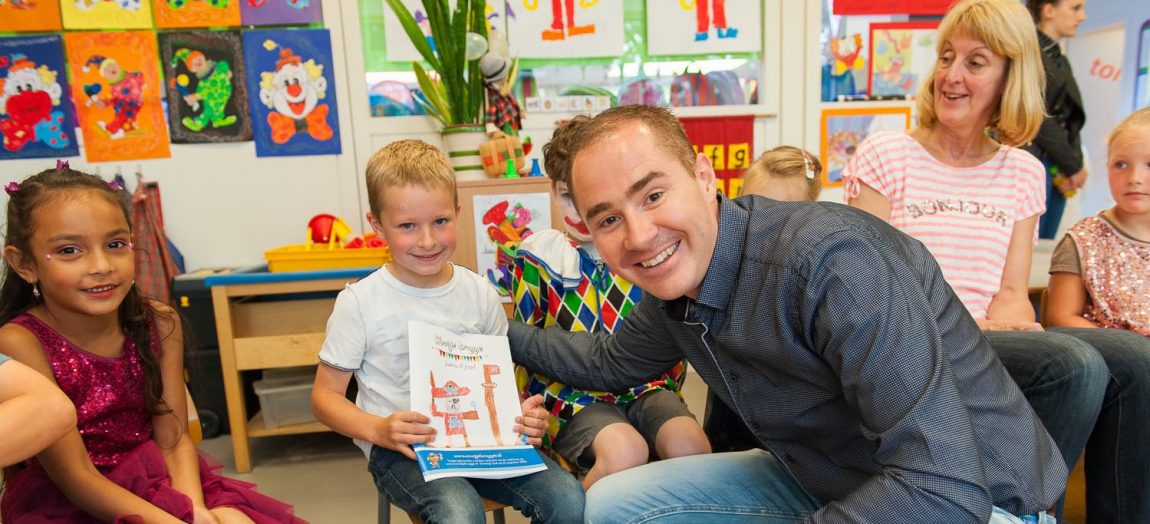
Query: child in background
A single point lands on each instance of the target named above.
(414, 206)
(33, 412)
(784, 173)
(1100, 271)
(70, 310)
(559, 279)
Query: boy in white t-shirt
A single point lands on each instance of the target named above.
(414, 206)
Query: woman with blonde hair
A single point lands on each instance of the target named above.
(960, 184)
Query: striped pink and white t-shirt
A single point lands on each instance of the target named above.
(964, 215)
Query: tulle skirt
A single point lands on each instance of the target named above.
(31, 497)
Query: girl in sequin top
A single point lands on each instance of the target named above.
(1100, 272)
(70, 310)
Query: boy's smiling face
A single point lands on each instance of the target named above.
(419, 224)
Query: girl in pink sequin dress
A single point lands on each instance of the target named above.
(1100, 272)
(70, 310)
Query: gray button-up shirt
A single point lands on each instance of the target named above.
(836, 339)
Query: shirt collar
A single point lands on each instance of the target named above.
(1047, 44)
(719, 283)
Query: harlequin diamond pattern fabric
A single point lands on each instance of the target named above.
(595, 301)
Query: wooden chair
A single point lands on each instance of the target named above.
(384, 511)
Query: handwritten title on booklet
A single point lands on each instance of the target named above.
(466, 384)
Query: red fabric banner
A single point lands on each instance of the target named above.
(892, 7)
(727, 141)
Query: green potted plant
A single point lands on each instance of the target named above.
(455, 94)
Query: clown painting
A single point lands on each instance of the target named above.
(35, 108)
(106, 14)
(296, 113)
(120, 90)
(196, 13)
(206, 87)
(116, 86)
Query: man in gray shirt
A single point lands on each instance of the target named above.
(831, 334)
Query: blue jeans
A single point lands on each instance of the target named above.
(746, 486)
(1063, 379)
(738, 487)
(552, 496)
(1117, 455)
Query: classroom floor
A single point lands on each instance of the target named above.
(325, 476)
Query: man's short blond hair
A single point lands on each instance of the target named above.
(1006, 28)
(408, 163)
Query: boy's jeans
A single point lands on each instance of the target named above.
(551, 496)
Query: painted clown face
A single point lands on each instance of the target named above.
(293, 92)
(27, 99)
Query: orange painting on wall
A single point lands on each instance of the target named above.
(25, 15)
(116, 89)
(185, 13)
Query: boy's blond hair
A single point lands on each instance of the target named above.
(787, 163)
(407, 163)
(1006, 28)
(1136, 122)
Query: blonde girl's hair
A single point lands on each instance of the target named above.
(787, 163)
(1006, 28)
(408, 162)
(1136, 122)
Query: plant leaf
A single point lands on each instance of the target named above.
(434, 92)
(415, 34)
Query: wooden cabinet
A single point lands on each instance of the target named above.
(270, 320)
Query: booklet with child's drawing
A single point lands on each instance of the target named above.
(466, 385)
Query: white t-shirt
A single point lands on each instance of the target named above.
(367, 331)
(965, 216)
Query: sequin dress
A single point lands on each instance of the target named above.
(116, 426)
(1116, 274)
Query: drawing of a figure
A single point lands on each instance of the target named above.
(28, 95)
(125, 94)
(213, 89)
(453, 413)
(705, 19)
(507, 226)
(294, 91)
(560, 30)
(892, 54)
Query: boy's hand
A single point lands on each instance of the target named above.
(402, 429)
(533, 423)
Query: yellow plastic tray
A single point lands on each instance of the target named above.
(297, 257)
